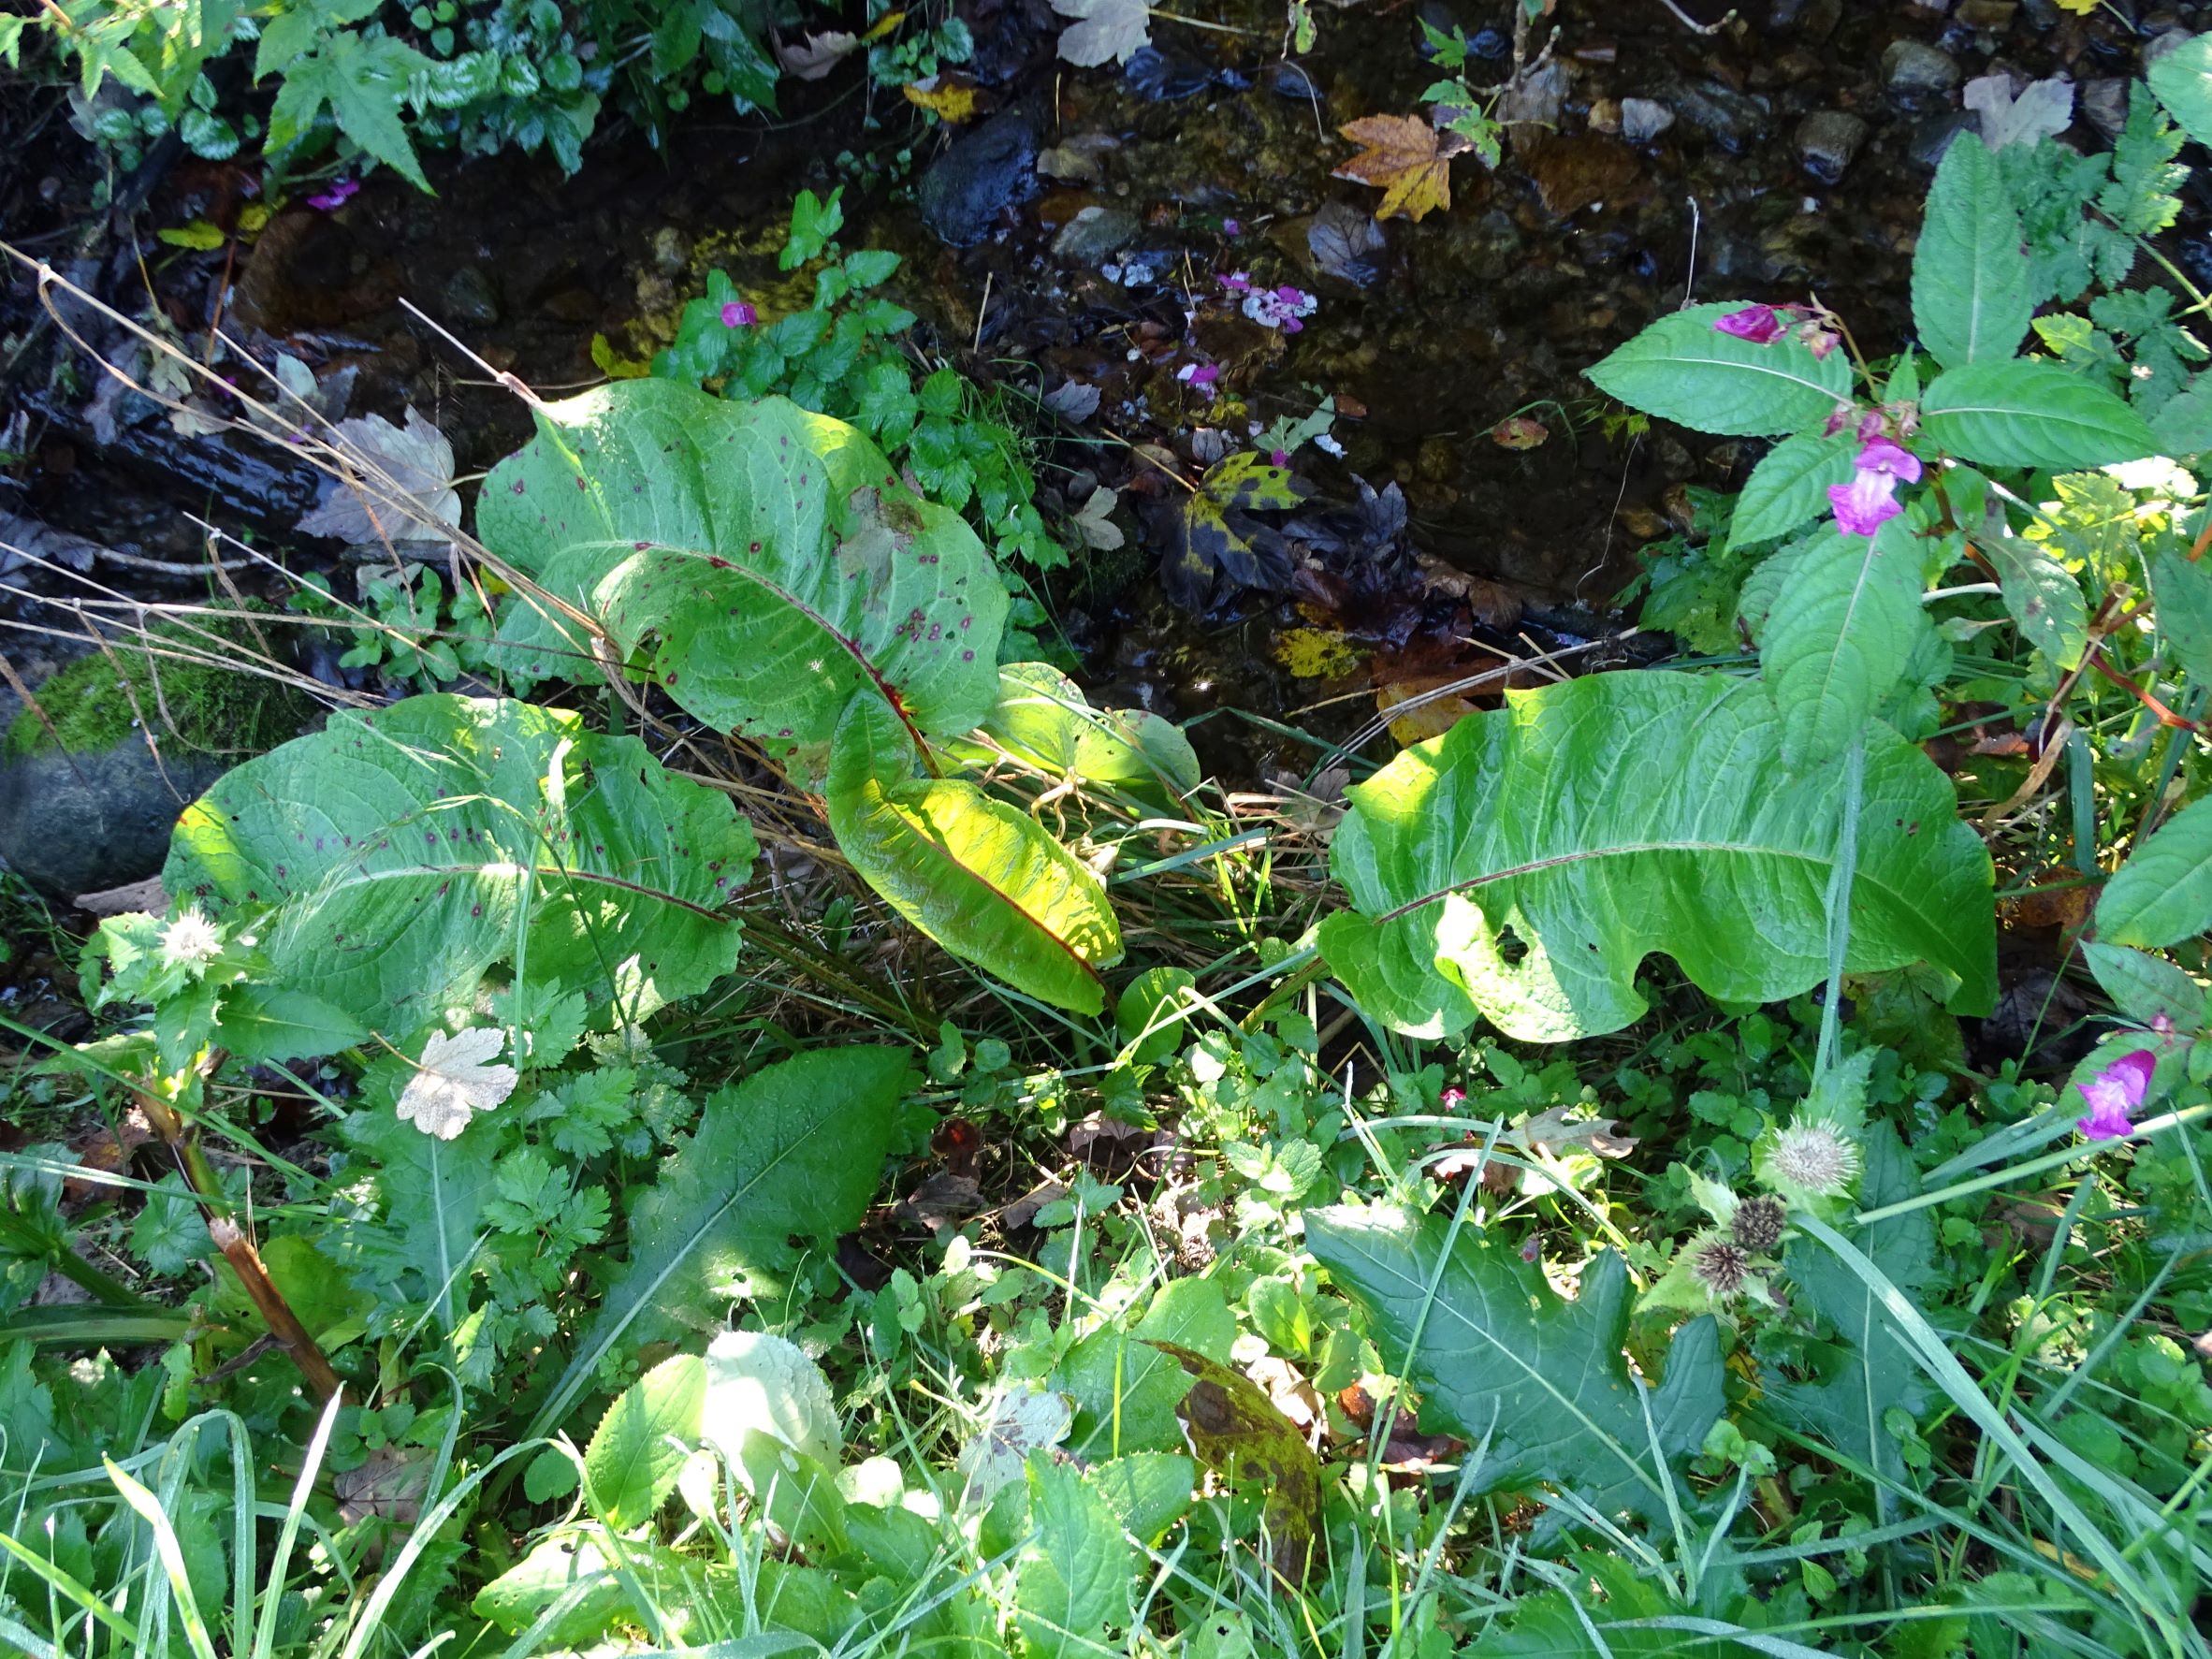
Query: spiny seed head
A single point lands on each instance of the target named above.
(1721, 1267)
(191, 942)
(1816, 1156)
(1759, 1222)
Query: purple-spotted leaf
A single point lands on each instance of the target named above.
(761, 564)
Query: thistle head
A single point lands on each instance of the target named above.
(1758, 1223)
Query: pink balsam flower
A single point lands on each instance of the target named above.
(336, 196)
(2113, 1093)
(1869, 502)
(738, 315)
(1759, 324)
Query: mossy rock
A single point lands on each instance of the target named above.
(86, 801)
(107, 695)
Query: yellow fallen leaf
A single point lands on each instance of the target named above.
(199, 234)
(891, 21)
(1316, 653)
(1406, 159)
(252, 217)
(612, 364)
(953, 100)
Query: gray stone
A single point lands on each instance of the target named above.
(1826, 141)
(1095, 235)
(72, 824)
(470, 299)
(1934, 137)
(2105, 104)
(1720, 112)
(1913, 67)
(980, 177)
(672, 251)
(1644, 119)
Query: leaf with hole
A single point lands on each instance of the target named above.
(1523, 865)
(398, 854)
(983, 878)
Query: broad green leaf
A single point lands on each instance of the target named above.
(1790, 487)
(985, 879)
(1074, 1578)
(2043, 595)
(1837, 644)
(761, 1383)
(1152, 1012)
(2183, 424)
(581, 1562)
(2182, 589)
(259, 1023)
(2183, 81)
(1623, 813)
(406, 850)
(1238, 1433)
(642, 1442)
(1684, 369)
(2031, 412)
(794, 1151)
(1875, 1372)
(1125, 1390)
(762, 563)
(2146, 988)
(1497, 1353)
(1971, 295)
(1042, 717)
(1147, 1491)
(2163, 894)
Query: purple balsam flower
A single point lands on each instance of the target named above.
(738, 315)
(1236, 281)
(1759, 324)
(341, 191)
(1869, 502)
(2113, 1093)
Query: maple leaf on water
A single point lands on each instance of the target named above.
(1103, 29)
(456, 1080)
(1406, 159)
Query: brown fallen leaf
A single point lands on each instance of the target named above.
(1519, 431)
(817, 55)
(1406, 159)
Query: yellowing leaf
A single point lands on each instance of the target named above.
(1104, 29)
(941, 95)
(253, 216)
(1405, 158)
(1519, 431)
(891, 21)
(1316, 653)
(614, 366)
(199, 234)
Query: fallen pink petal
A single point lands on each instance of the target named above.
(339, 193)
(2114, 1093)
(738, 315)
(1758, 324)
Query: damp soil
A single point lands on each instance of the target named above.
(1093, 214)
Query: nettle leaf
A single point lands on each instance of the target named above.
(2028, 412)
(1623, 813)
(2183, 81)
(404, 851)
(1043, 717)
(1684, 369)
(1971, 295)
(2163, 894)
(763, 563)
(1497, 1353)
(2042, 596)
(983, 878)
(1790, 487)
(641, 1443)
(1839, 643)
(1875, 1370)
(795, 1151)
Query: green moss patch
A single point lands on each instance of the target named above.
(99, 699)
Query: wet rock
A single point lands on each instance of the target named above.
(1826, 141)
(1095, 235)
(2105, 104)
(2043, 14)
(1537, 97)
(73, 823)
(1994, 15)
(980, 177)
(1163, 78)
(1722, 113)
(1644, 119)
(1292, 81)
(1914, 69)
(1581, 170)
(1815, 19)
(1932, 138)
(468, 296)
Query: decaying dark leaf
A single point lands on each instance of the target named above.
(1236, 1432)
(1214, 535)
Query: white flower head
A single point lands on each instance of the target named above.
(454, 1081)
(1815, 1158)
(191, 941)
